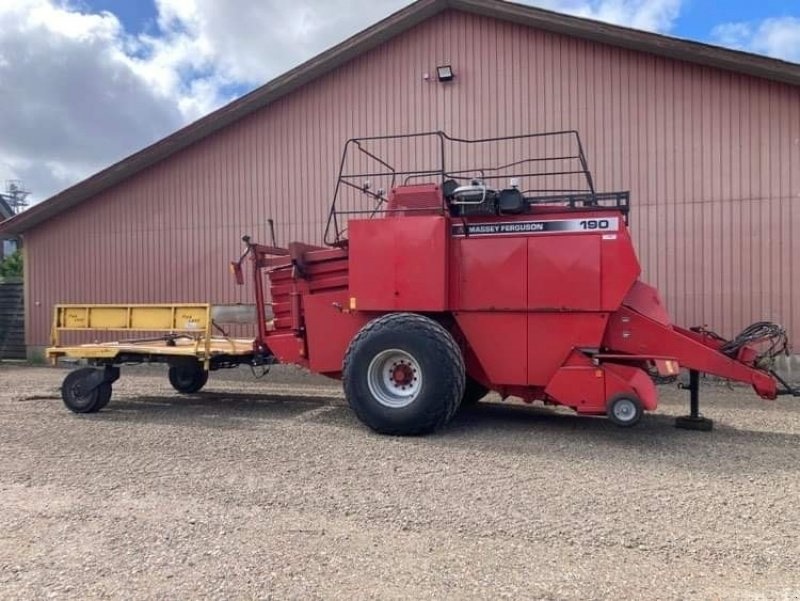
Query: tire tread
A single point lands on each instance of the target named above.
(452, 368)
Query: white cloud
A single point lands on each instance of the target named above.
(78, 92)
(778, 37)
(651, 15)
(72, 99)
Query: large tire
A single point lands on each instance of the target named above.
(187, 378)
(79, 400)
(474, 391)
(403, 374)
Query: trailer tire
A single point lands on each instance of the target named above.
(104, 391)
(403, 375)
(78, 400)
(187, 378)
(474, 391)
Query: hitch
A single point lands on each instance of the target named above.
(788, 389)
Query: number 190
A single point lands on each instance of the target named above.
(594, 224)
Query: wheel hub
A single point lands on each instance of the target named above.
(624, 410)
(394, 378)
(402, 374)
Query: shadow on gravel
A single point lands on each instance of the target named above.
(512, 428)
(210, 409)
(525, 430)
(653, 428)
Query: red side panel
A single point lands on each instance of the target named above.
(579, 384)
(553, 336)
(399, 264)
(620, 268)
(624, 379)
(564, 273)
(645, 299)
(490, 273)
(287, 347)
(499, 341)
(329, 330)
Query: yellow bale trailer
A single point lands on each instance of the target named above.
(187, 337)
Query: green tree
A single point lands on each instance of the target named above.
(11, 266)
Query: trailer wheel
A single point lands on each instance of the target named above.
(474, 391)
(187, 378)
(104, 391)
(625, 410)
(77, 398)
(403, 374)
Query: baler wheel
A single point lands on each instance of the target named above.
(187, 378)
(403, 374)
(625, 410)
(474, 391)
(79, 400)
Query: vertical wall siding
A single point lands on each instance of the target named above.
(712, 160)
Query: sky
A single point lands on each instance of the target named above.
(84, 83)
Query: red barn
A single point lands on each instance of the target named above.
(706, 139)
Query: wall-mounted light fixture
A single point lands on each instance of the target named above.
(445, 73)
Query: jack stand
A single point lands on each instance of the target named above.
(694, 421)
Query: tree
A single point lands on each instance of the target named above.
(11, 266)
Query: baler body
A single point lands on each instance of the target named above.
(541, 295)
(545, 306)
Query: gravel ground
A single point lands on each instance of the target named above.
(272, 489)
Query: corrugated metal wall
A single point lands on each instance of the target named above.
(712, 160)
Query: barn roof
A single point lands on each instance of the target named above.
(5, 210)
(615, 35)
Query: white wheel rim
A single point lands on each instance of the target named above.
(394, 378)
(624, 410)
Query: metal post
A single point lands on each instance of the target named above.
(694, 394)
(694, 421)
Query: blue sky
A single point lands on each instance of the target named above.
(95, 80)
(137, 16)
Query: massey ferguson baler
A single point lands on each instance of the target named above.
(499, 268)
(508, 277)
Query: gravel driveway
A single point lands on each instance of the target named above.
(272, 489)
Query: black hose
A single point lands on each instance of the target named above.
(760, 332)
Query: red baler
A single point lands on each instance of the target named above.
(463, 279)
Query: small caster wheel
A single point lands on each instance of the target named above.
(187, 378)
(624, 410)
(79, 397)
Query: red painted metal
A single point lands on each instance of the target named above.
(632, 332)
(420, 199)
(628, 380)
(399, 264)
(329, 328)
(564, 273)
(499, 341)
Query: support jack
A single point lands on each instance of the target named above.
(694, 421)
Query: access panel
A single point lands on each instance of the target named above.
(564, 273)
(398, 264)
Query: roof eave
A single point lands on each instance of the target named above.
(636, 39)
